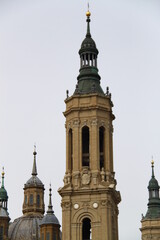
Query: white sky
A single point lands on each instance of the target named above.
(39, 43)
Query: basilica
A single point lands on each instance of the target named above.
(89, 198)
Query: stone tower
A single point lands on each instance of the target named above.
(151, 221)
(4, 216)
(89, 197)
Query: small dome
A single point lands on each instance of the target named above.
(25, 227)
(153, 184)
(50, 219)
(88, 44)
(3, 194)
(34, 181)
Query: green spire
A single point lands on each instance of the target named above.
(88, 78)
(34, 169)
(3, 193)
(154, 200)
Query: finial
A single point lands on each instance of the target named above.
(67, 93)
(50, 209)
(107, 91)
(152, 165)
(3, 177)
(34, 152)
(34, 169)
(3, 171)
(88, 14)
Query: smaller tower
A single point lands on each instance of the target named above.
(49, 226)
(3, 193)
(151, 221)
(34, 192)
(4, 216)
(27, 227)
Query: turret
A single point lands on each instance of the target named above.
(50, 226)
(3, 193)
(34, 192)
(88, 78)
(4, 216)
(151, 221)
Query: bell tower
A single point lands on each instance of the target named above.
(89, 197)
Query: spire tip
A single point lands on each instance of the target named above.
(88, 13)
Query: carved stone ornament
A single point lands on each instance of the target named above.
(94, 121)
(76, 123)
(86, 178)
(85, 122)
(66, 205)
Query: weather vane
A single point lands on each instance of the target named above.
(88, 6)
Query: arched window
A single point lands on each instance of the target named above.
(54, 236)
(85, 146)
(1, 233)
(25, 199)
(86, 229)
(47, 236)
(154, 194)
(31, 200)
(70, 150)
(101, 146)
(38, 200)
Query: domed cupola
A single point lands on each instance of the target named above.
(3, 193)
(27, 227)
(34, 192)
(154, 199)
(88, 79)
(50, 226)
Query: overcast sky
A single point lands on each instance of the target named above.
(39, 43)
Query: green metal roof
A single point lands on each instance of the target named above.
(153, 211)
(88, 78)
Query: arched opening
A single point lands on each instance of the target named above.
(1, 232)
(38, 200)
(85, 146)
(154, 194)
(101, 146)
(86, 229)
(47, 236)
(25, 199)
(70, 150)
(31, 200)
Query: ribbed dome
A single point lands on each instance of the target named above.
(34, 181)
(26, 228)
(153, 184)
(50, 219)
(88, 44)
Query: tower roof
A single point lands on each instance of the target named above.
(34, 180)
(88, 78)
(3, 192)
(154, 199)
(50, 217)
(153, 183)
